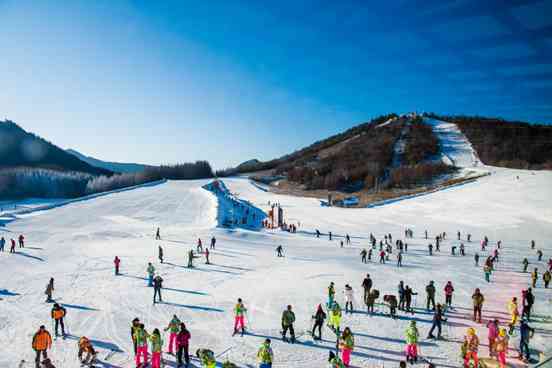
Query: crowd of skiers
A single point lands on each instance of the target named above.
(148, 347)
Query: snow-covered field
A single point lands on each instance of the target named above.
(76, 244)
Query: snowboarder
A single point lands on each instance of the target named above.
(366, 285)
(150, 270)
(476, 259)
(141, 338)
(49, 290)
(331, 294)
(449, 290)
(411, 336)
(492, 333)
(173, 328)
(157, 286)
(430, 295)
(42, 341)
(279, 251)
(288, 318)
(134, 327)
(265, 355)
(158, 234)
(319, 318)
(501, 347)
(213, 242)
(534, 277)
(478, 300)
(526, 333)
(160, 254)
(206, 357)
(117, 262)
(546, 277)
(438, 319)
(57, 314)
(525, 263)
(347, 344)
(21, 241)
(470, 348)
(363, 254)
(156, 347)
(349, 296)
(85, 347)
(239, 313)
(182, 345)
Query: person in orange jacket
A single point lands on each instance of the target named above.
(42, 341)
(58, 312)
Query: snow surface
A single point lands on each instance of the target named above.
(76, 244)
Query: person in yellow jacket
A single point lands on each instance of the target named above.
(335, 317)
(470, 348)
(501, 347)
(85, 346)
(42, 341)
(265, 355)
(514, 314)
(534, 277)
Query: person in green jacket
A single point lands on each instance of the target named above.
(141, 338)
(334, 361)
(151, 272)
(174, 329)
(207, 358)
(265, 355)
(288, 318)
(331, 294)
(347, 344)
(156, 347)
(239, 312)
(412, 335)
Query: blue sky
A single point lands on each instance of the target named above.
(226, 81)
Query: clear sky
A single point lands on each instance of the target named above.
(171, 81)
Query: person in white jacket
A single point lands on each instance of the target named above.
(349, 297)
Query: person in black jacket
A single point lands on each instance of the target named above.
(401, 295)
(133, 328)
(58, 313)
(319, 318)
(438, 318)
(157, 286)
(408, 292)
(366, 285)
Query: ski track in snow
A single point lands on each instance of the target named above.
(76, 244)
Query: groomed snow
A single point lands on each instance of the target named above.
(76, 244)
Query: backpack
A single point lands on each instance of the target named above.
(375, 293)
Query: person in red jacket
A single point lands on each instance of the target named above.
(182, 345)
(449, 289)
(12, 249)
(117, 262)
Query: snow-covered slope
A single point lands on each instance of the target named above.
(76, 244)
(118, 167)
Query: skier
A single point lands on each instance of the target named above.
(173, 327)
(438, 318)
(213, 242)
(151, 272)
(348, 239)
(382, 257)
(449, 290)
(501, 347)
(366, 285)
(430, 295)
(462, 249)
(458, 235)
(539, 255)
(335, 317)
(160, 254)
(532, 244)
(206, 357)
(330, 235)
(58, 313)
(199, 246)
(134, 327)
(534, 277)
(12, 248)
(207, 256)
(279, 251)
(141, 338)
(469, 238)
(2, 244)
(411, 336)
(319, 318)
(546, 277)
(408, 292)
(288, 318)
(191, 258)
(156, 347)
(265, 355)
(117, 262)
(317, 233)
(157, 286)
(525, 263)
(363, 254)
(182, 345)
(85, 347)
(349, 296)
(492, 333)
(514, 314)
(370, 254)
(239, 312)
(487, 270)
(347, 344)
(49, 290)
(471, 346)
(335, 361)
(21, 241)
(430, 249)
(476, 259)
(158, 234)
(478, 300)
(399, 259)
(526, 333)
(42, 341)
(331, 294)
(401, 291)
(527, 302)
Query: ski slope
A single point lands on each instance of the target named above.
(76, 244)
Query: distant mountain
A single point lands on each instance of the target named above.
(117, 167)
(19, 148)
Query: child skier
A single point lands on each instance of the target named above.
(492, 332)
(173, 328)
(335, 361)
(470, 348)
(156, 347)
(239, 312)
(141, 338)
(58, 313)
(514, 313)
(411, 337)
(335, 317)
(501, 347)
(265, 355)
